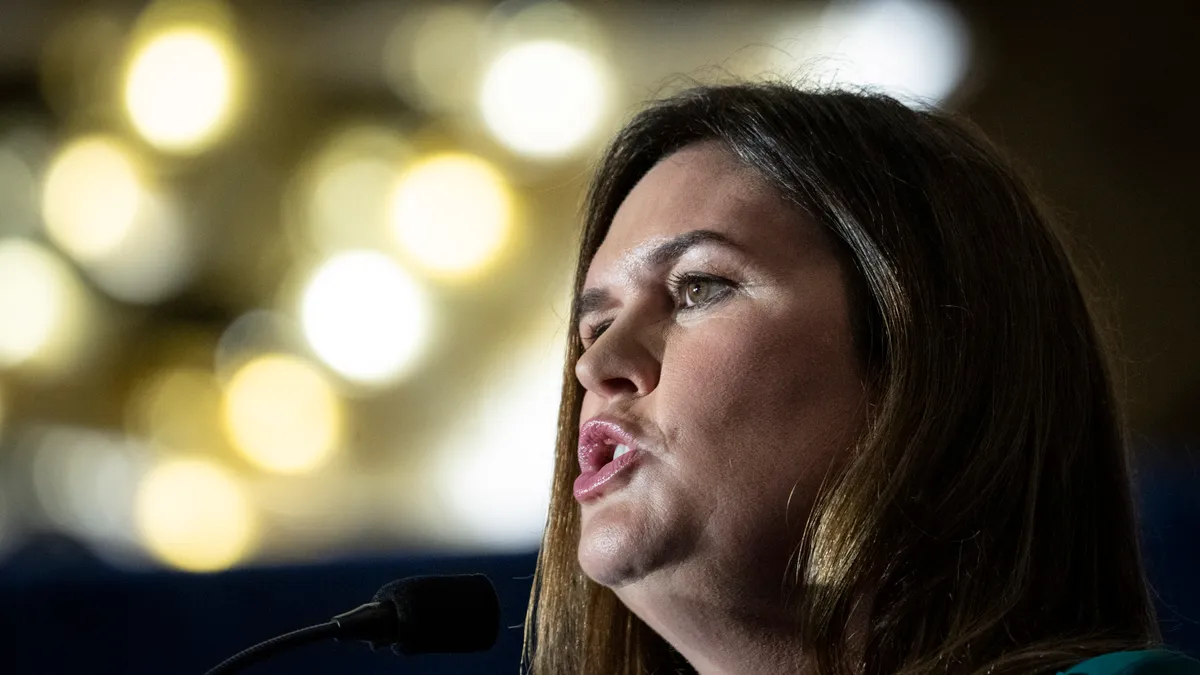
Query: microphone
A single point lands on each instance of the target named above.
(416, 615)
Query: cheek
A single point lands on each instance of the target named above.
(782, 394)
(734, 372)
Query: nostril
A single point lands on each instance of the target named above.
(620, 385)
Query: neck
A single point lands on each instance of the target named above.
(729, 628)
(721, 629)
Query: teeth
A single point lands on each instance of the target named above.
(621, 449)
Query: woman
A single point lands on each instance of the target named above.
(835, 403)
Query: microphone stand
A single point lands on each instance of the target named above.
(418, 615)
(374, 623)
(265, 650)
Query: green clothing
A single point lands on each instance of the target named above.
(1146, 662)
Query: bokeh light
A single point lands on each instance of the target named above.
(91, 197)
(391, 145)
(154, 261)
(131, 241)
(497, 462)
(339, 199)
(180, 88)
(452, 214)
(351, 199)
(544, 98)
(192, 514)
(432, 56)
(41, 305)
(18, 194)
(177, 409)
(3, 410)
(84, 480)
(365, 317)
(546, 19)
(282, 414)
(915, 50)
(257, 332)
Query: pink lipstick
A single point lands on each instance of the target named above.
(599, 464)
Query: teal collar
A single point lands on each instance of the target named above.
(1116, 663)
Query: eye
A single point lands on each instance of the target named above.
(590, 334)
(690, 290)
(695, 290)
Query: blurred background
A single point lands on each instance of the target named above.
(283, 284)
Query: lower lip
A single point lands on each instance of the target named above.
(592, 484)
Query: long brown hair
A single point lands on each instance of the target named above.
(986, 508)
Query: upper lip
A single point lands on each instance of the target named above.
(598, 438)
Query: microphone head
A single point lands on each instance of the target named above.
(443, 614)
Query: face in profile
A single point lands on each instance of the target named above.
(721, 381)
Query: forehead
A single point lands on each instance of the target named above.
(703, 186)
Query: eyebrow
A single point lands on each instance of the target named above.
(594, 299)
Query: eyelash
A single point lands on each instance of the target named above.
(676, 283)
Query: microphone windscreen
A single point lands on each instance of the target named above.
(443, 614)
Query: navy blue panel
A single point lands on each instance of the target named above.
(1169, 497)
(100, 622)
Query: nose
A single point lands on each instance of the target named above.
(619, 364)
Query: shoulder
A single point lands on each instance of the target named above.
(1146, 662)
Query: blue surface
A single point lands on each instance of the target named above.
(1169, 501)
(95, 621)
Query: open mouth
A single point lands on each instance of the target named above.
(606, 453)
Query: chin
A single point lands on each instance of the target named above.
(608, 556)
(623, 542)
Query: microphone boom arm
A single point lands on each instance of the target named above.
(417, 615)
(265, 650)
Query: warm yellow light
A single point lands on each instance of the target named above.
(251, 335)
(37, 299)
(432, 56)
(3, 411)
(153, 261)
(282, 414)
(544, 98)
(451, 214)
(339, 198)
(91, 197)
(177, 409)
(132, 242)
(18, 194)
(192, 514)
(357, 187)
(180, 86)
(364, 317)
(85, 479)
(494, 464)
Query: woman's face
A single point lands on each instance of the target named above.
(724, 361)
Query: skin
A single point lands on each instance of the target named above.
(743, 402)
